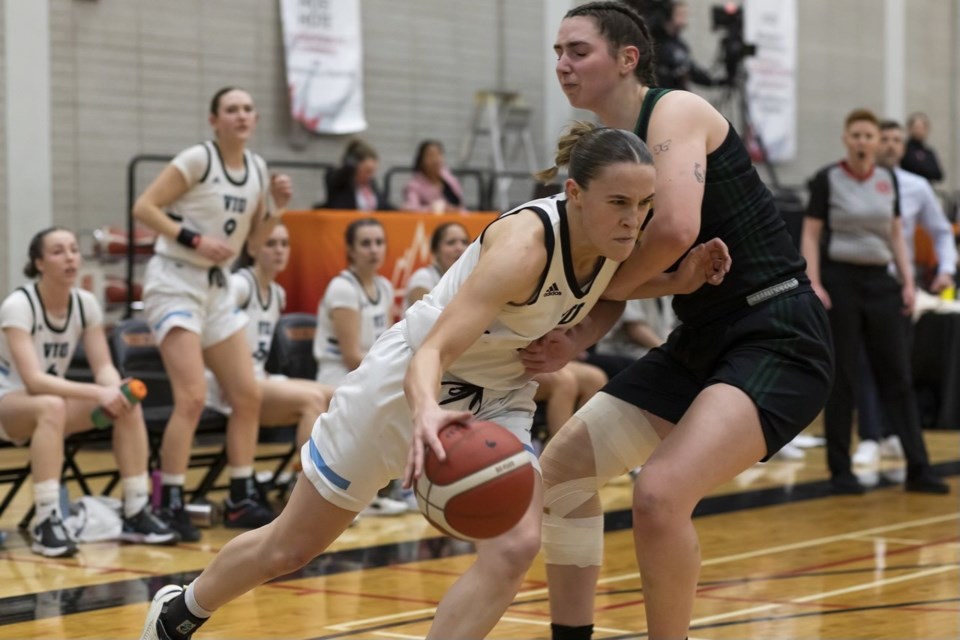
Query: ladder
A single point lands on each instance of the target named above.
(504, 117)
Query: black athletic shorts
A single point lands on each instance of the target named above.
(779, 353)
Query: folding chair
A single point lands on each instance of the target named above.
(292, 351)
(291, 354)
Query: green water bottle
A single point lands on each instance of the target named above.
(135, 391)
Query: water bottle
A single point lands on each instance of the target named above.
(135, 391)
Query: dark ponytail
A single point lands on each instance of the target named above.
(35, 251)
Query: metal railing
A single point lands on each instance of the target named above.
(132, 192)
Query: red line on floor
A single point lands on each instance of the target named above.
(375, 596)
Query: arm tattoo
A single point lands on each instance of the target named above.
(662, 147)
(698, 172)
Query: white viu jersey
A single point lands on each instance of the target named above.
(492, 361)
(345, 291)
(262, 314)
(219, 203)
(424, 278)
(54, 339)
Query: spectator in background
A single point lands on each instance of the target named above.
(676, 68)
(432, 187)
(353, 185)
(918, 204)
(919, 158)
(858, 205)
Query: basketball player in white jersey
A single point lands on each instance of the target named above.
(356, 307)
(42, 323)
(285, 401)
(453, 358)
(562, 391)
(205, 205)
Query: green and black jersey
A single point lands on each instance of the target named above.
(739, 209)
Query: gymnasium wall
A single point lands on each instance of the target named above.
(841, 66)
(135, 76)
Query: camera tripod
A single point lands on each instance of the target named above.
(734, 101)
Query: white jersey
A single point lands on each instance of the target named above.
(656, 313)
(54, 339)
(492, 361)
(218, 204)
(262, 315)
(424, 278)
(346, 292)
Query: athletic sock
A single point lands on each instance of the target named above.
(171, 496)
(242, 486)
(177, 621)
(46, 498)
(563, 632)
(135, 491)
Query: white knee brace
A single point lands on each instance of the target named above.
(621, 438)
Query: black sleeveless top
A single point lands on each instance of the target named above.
(738, 209)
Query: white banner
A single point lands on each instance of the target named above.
(322, 41)
(771, 88)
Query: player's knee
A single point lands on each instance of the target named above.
(654, 506)
(189, 404)
(246, 401)
(315, 403)
(286, 558)
(51, 412)
(517, 550)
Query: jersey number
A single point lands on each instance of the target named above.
(571, 314)
(229, 227)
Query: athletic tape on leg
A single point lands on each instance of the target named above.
(573, 541)
(621, 438)
(621, 435)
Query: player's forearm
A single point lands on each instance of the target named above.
(597, 323)
(422, 381)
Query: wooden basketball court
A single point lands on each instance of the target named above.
(782, 558)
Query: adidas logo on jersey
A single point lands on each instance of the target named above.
(553, 290)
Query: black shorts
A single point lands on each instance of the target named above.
(779, 353)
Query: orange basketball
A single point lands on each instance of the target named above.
(484, 486)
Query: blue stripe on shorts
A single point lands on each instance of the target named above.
(339, 481)
(186, 314)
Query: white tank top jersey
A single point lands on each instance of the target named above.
(54, 339)
(424, 278)
(262, 314)
(492, 361)
(219, 203)
(346, 291)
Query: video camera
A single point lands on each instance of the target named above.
(733, 50)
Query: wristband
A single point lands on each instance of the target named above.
(189, 239)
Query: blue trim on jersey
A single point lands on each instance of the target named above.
(530, 448)
(339, 481)
(186, 314)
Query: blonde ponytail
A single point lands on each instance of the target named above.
(565, 146)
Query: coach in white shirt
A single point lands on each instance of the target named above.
(918, 203)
